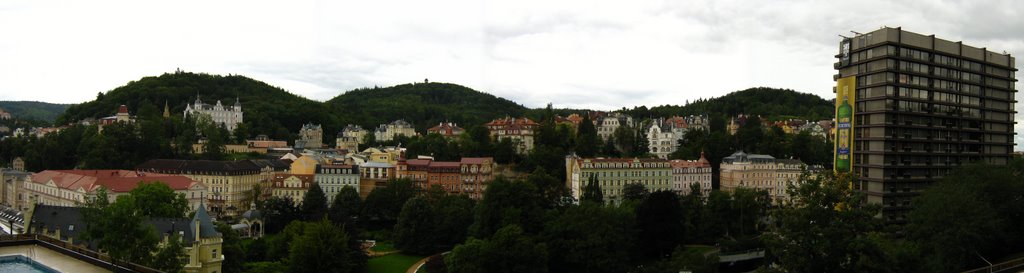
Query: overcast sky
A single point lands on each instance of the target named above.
(593, 54)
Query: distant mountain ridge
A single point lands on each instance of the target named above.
(275, 112)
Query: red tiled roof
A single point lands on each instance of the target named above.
(444, 164)
(113, 180)
(418, 162)
(623, 159)
(446, 129)
(677, 164)
(267, 144)
(514, 122)
(476, 160)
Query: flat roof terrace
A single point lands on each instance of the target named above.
(58, 256)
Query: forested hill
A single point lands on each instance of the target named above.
(268, 109)
(275, 112)
(772, 103)
(33, 110)
(423, 104)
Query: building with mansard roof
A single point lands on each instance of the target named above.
(390, 131)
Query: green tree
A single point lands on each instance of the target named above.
(609, 148)
(968, 214)
(280, 245)
(382, 206)
(455, 216)
(506, 203)
(265, 267)
(416, 229)
(241, 133)
(370, 139)
(509, 250)
(749, 135)
(322, 239)
(591, 238)
(168, 255)
(625, 140)
(659, 224)
(634, 192)
(693, 260)
(314, 203)
(118, 229)
(825, 226)
(749, 206)
(587, 140)
(716, 220)
(345, 207)
(159, 200)
(505, 151)
(278, 212)
(641, 145)
(213, 148)
(476, 142)
(231, 246)
(552, 190)
(592, 191)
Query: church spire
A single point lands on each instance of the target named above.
(167, 111)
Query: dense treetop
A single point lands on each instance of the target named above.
(423, 104)
(772, 103)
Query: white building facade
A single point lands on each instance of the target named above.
(229, 116)
(332, 178)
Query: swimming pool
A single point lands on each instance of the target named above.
(22, 264)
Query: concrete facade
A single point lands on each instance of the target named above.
(924, 105)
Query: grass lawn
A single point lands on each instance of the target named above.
(383, 247)
(700, 248)
(394, 263)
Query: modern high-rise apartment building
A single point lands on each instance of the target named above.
(921, 107)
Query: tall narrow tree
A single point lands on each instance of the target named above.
(314, 203)
(592, 191)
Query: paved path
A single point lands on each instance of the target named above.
(416, 266)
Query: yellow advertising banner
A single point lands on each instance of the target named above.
(845, 101)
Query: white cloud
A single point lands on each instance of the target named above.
(576, 53)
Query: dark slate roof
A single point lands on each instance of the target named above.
(67, 219)
(252, 214)
(206, 227)
(276, 164)
(190, 166)
(740, 156)
(167, 226)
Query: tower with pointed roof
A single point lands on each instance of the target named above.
(205, 255)
(167, 111)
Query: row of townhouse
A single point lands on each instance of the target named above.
(739, 170)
